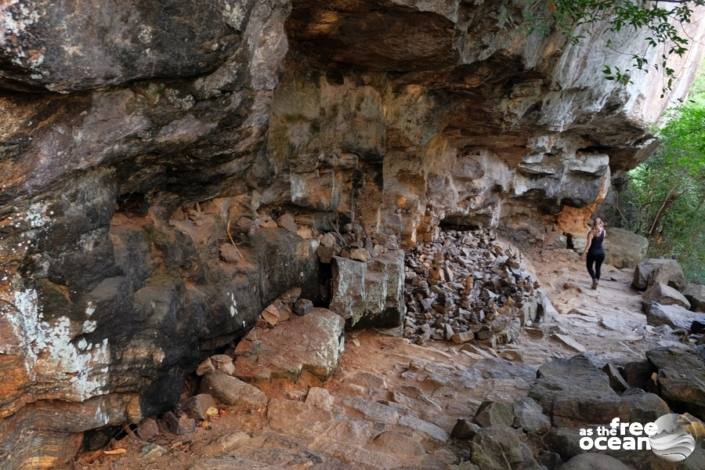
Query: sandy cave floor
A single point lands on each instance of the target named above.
(392, 403)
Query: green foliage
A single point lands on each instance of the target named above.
(665, 196)
(662, 20)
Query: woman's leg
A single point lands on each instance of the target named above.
(589, 263)
(598, 265)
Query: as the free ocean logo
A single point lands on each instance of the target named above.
(671, 437)
(672, 440)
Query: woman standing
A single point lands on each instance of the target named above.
(594, 252)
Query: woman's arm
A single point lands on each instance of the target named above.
(588, 242)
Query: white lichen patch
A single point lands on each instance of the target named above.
(184, 103)
(90, 308)
(233, 304)
(89, 326)
(234, 15)
(14, 21)
(52, 356)
(145, 34)
(36, 215)
(72, 50)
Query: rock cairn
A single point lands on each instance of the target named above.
(468, 286)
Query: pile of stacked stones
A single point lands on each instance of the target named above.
(467, 286)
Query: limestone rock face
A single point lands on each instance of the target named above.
(150, 39)
(147, 149)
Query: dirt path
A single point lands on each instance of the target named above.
(392, 403)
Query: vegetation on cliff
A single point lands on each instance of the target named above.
(665, 197)
(662, 22)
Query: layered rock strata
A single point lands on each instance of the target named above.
(150, 151)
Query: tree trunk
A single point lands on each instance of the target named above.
(668, 202)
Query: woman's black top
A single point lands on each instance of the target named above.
(596, 245)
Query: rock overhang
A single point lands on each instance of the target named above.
(467, 123)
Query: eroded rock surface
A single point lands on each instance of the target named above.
(392, 403)
(311, 343)
(169, 170)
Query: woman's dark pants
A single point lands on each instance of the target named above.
(594, 263)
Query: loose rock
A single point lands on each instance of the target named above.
(148, 429)
(303, 307)
(179, 423)
(201, 406)
(233, 391)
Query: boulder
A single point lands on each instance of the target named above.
(529, 416)
(674, 316)
(311, 343)
(369, 293)
(492, 413)
(201, 406)
(574, 392)
(179, 423)
(233, 391)
(499, 448)
(617, 381)
(303, 307)
(681, 378)
(148, 429)
(625, 249)
(464, 429)
(640, 374)
(695, 293)
(594, 461)
(653, 270)
(665, 295)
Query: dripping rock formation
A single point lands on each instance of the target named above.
(171, 168)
